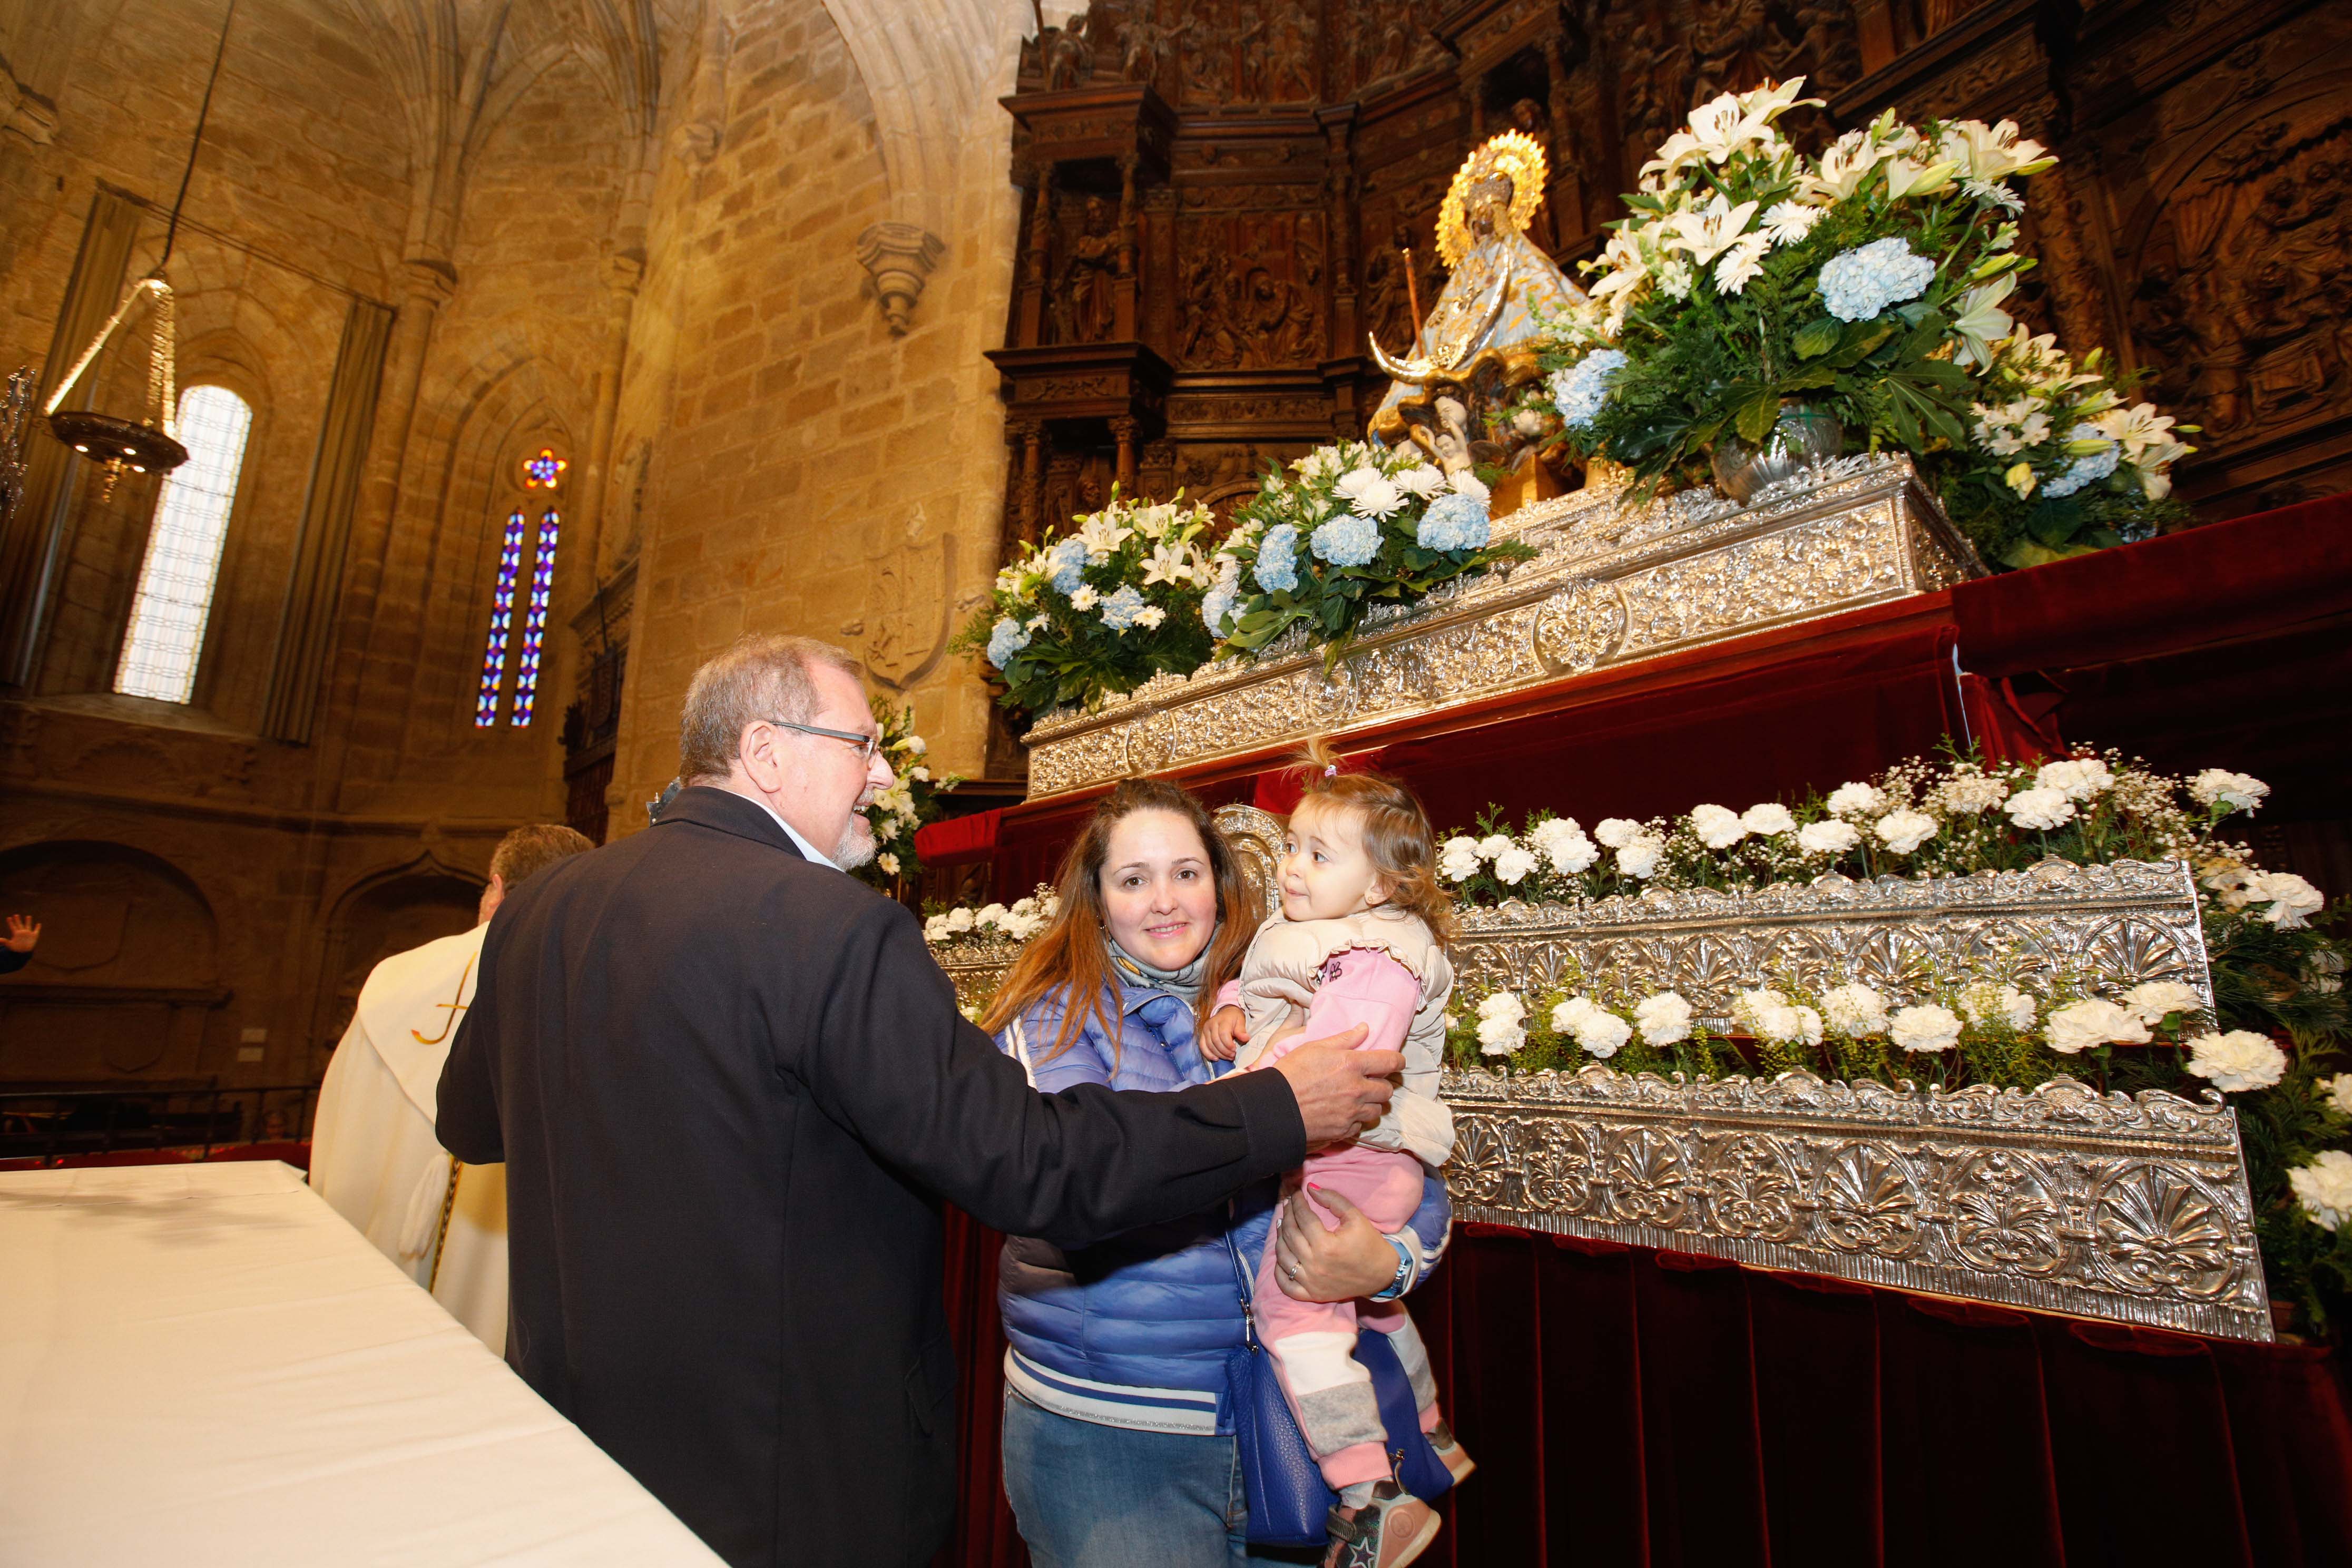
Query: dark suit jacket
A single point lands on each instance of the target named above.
(730, 1087)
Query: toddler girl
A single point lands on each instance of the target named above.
(1360, 940)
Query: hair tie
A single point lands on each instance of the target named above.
(1330, 769)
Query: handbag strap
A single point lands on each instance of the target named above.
(1241, 1276)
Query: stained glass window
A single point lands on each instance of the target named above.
(174, 601)
(534, 625)
(543, 471)
(494, 653)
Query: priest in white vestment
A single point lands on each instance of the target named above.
(374, 1154)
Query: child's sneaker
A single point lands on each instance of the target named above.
(1389, 1532)
(1451, 1453)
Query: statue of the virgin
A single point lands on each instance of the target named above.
(1476, 352)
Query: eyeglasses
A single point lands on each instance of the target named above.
(867, 745)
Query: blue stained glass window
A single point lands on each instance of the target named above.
(494, 654)
(534, 625)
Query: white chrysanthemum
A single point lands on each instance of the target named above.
(1854, 1010)
(1770, 818)
(1638, 858)
(1905, 831)
(1830, 838)
(2237, 1062)
(2219, 787)
(1457, 859)
(2325, 1188)
(2076, 778)
(1616, 832)
(1467, 483)
(1664, 1018)
(2039, 809)
(1924, 1027)
(1085, 598)
(1419, 480)
(1986, 1003)
(1742, 262)
(1718, 827)
(2152, 1000)
(1512, 865)
(1493, 844)
(1785, 223)
(1856, 800)
(2095, 1021)
(1501, 1019)
(2289, 896)
(887, 862)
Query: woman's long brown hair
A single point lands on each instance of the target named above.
(1075, 949)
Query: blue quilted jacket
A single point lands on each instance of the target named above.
(1133, 1331)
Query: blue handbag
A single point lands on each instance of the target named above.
(1289, 1505)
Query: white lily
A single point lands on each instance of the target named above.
(1982, 323)
(1709, 231)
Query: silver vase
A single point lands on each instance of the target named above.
(1804, 437)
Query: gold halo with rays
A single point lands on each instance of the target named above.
(1513, 153)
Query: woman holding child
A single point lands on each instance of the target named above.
(1155, 974)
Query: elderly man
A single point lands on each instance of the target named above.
(731, 1087)
(374, 1154)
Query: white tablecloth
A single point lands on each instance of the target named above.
(205, 1365)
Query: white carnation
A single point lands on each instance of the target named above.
(1501, 1018)
(1986, 1003)
(1512, 865)
(958, 920)
(2219, 787)
(2151, 1000)
(2289, 896)
(2093, 1022)
(1856, 800)
(1773, 1017)
(1616, 832)
(2326, 1188)
(1598, 1031)
(1718, 827)
(1664, 1018)
(935, 930)
(2039, 809)
(2076, 778)
(1830, 838)
(1638, 858)
(2339, 1093)
(1925, 1028)
(1903, 831)
(1854, 1010)
(1768, 819)
(2237, 1062)
(1492, 845)
(1563, 843)
(1457, 859)
(1966, 794)
(991, 915)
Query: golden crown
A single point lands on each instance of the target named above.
(1514, 154)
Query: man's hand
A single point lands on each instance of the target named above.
(1228, 1029)
(1340, 1090)
(23, 931)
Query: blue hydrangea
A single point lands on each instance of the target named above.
(1346, 541)
(1579, 392)
(1119, 609)
(1219, 604)
(1066, 565)
(1455, 521)
(1277, 559)
(1858, 284)
(1007, 637)
(2087, 470)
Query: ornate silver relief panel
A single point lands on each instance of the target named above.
(2060, 1200)
(1612, 584)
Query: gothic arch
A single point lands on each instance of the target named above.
(388, 909)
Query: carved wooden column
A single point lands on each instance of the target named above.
(1124, 428)
(1031, 433)
(1339, 191)
(1123, 288)
(1029, 323)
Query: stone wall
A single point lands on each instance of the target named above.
(631, 237)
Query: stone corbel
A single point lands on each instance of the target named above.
(24, 112)
(899, 257)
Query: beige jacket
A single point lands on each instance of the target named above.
(1278, 979)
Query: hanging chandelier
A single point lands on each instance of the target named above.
(150, 444)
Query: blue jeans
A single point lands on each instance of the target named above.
(1105, 1497)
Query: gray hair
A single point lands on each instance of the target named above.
(762, 676)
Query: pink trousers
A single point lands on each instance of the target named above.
(1313, 1343)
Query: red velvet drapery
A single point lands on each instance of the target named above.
(1657, 1410)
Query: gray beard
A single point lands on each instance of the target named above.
(855, 848)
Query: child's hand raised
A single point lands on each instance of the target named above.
(1227, 1028)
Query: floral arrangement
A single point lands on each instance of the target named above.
(895, 813)
(1868, 282)
(1100, 609)
(964, 926)
(1358, 525)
